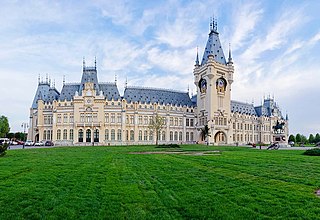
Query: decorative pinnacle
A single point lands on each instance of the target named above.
(95, 62)
(115, 79)
(83, 63)
(230, 57)
(197, 58)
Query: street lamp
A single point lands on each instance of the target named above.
(24, 126)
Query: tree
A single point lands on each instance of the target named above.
(298, 138)
(317, 138)
(156, 125)
(311, 139)
(4, 126)
(292, 138)
(304, 139)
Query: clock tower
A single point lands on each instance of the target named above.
(213, 78)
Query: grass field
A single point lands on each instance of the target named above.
(112, 183)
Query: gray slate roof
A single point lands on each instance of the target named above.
(161, 96)
(214, 48)
(242, 108)
(45, 93)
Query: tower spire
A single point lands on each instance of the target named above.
(230, 57)
(95, 62)
(197, 58)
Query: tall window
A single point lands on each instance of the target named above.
(119, 137)
(88, 135)
(65, 118)
(145, 136)
(145, 120)
(163, 135)
(191, 122)
(82, 117)
(140, 135)
(171, 121)
(191, 136)
(175, 135)
(107, 117)
(59, 118)
(140, 119)
(71, 135)
(113, 118)
(44, 134)
(171, 136)
(71, 119)
(96, 136)
(180, 136)
(65, 133)
(58, 134)
(131, 119)
(113, 134)
(80, 135)
(187, 136)
(187, 122)
(150, 136)
(106, 135)
(175, 121)
(119, 118)
(132, 135)
(49, 135)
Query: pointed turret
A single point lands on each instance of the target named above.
(213, 46)
(230, 57)
(89, 75)
(197, 58)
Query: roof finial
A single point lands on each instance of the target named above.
(39, 79)
(54, 83)
(115, 79)
(95, 62)
(126, 84)
(64, 79)
(230, 58)
(211, 24)
(215, 24)
(49, 81)
(47, 78)
(197, 58)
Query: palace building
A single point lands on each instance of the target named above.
(92, 112)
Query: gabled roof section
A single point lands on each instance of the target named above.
(213, 46)
(153, 95)
(243, 108)
(110, 90)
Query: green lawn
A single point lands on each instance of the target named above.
(110, 183)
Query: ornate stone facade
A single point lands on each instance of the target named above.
(90, 112)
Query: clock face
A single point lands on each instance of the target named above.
(89, 101)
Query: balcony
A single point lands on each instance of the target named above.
(88, 124)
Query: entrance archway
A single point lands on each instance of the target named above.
(36, 138)
(220, 138)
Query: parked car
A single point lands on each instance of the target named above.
(29, 143)
(4, 140)
(48, 143)
(13, 143)
(40, 143)
(20, 142)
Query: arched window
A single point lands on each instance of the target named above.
(58, 134)
(71, 135)
(119, 137)
(80, 135)
(150, 136)
(96, 136)
(145, 136)
(113, 134)
(171, 136)
(163, 135)
(175, 135)
(180, 136)
(191, 136)
(65, 134)
(44, 134)
(106, 134)
(140, 135)
(132, 135)
(88, 135)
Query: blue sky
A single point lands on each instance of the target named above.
(275, 47)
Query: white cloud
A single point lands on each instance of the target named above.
(245, 19)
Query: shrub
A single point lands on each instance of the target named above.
(168, 146)
(3, 149)
(312, 152)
